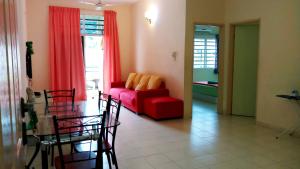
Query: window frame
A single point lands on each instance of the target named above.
(90, 18)
(201, 58)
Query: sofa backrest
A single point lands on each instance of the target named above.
(162, 85)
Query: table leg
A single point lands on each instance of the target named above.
(294, 130)
(44, 155)
(36, 151)
(99, 160)
(44, 158)
(284, 132)
(291, 130)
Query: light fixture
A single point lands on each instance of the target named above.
(151, 15)
(149, 20)
(148, 17)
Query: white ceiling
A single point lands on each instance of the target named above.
(111, 1)
(120, 1)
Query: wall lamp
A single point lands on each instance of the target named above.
(148, 17)
(149, 20)
(151, 15)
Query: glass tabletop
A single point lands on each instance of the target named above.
(44, 125)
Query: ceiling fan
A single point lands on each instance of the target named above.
(99, 4)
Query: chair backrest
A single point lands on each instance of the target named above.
(104, 102)
(77, 129)
(58, 98)
(113, 118)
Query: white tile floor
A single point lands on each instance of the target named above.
(208, 141)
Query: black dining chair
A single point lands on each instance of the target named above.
(27, 108)
(111, 132)
(104, 102)
(109, 136)
(59, 100)
(75, 130)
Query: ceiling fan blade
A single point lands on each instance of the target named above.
(87, 3)
(103, 6)
(99, 5)
(99, 8)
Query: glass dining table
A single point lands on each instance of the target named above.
(42, 127)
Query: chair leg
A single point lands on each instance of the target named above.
(52, 155)
(108, 159)
(114, 157)
(72, 148)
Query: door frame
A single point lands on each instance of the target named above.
(231, 60)
(220, 100)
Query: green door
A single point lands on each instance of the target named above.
(245, 70)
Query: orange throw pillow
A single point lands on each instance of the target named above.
(137, 80)
(154, 82)
(130, 79)
(143, 83)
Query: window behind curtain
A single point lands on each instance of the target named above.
(92, 31)
(205, 52)
(91, 25)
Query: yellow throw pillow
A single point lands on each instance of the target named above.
(154, 82)
(130, 79)
(143, 83)
(137, 80)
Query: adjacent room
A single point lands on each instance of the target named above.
(205, 72)
(149, 84)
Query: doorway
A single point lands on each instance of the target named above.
(245, 61)
(92, 30)
(205, 69)
(93, 58)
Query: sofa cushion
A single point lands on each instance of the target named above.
(154, 82)
(143, 83)
(137, 80)
(128, 97)
(130, 79)
(115, 92)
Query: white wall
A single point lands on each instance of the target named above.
(37, 31)
(155, 43)
(279, 56)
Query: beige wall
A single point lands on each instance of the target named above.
(279, 56)
(153, 46)
(37, 31)
(126, 38)
(155, 43)
(278, 70)
(22, 36)
(201, 12)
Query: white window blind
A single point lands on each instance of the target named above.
(205, 52)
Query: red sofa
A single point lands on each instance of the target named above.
(134, 100)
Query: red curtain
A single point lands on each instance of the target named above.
(112, 66)
(66, 58)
